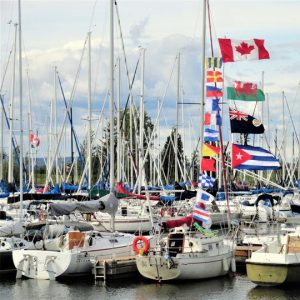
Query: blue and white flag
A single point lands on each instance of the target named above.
(210, 135)
(206, 181)
(252, 158)
(212, 104)
(204, 196)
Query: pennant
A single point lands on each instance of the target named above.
(206, 181)
(208, 164)
(235, 50)
(34, 140)
(213, 62)
(210, 150)
(214, 76)
(204, 196)
(212, 105)
(200, 213)
(212, 91)
(243, 123)
(210, 135)
(212, 119)
(244, 91)
(252, 158)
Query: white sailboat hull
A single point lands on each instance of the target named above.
(185, 266)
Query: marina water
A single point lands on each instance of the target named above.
(228, 287)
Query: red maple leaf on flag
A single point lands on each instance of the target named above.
(246, 88)
(244, 48)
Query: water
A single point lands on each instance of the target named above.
(229, 287)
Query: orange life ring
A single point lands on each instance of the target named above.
(145, 241)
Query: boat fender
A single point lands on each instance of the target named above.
(140, 250)
(162, 212)
(233, 265)
(225, 265)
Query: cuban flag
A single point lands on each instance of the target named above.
(200, 213)
(204, 196)
(212, 104)
(205, 181)
(252, 158)
(211, 135)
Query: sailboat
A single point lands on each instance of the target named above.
(78, 250)
(276, 262)
(188, 251)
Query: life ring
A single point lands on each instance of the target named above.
(137, 249)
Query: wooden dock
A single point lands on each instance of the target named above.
(114, 268)
(244, 252)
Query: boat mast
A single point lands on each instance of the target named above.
(177, 117)
(21, 111)
(119, 122)
(11, 114)
(111, 100)
(55, 124)
(141, 152)
(202, 103)
(89, 142)
(223, 166)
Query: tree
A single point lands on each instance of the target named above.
(168, 156)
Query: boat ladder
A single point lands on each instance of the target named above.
(100, 270)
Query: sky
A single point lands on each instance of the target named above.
(54, 32)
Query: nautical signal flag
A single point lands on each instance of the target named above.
(212, 104)
(210, 135)
(213, 62)
(235, 50)
(244, 123)
(210, 150)
(252, 158)
(214, 76)
(244, 91)
(213, 118)
(206, 181)
(34, 140)
(204, 196)
(208, 164)
(200, 213)
(212, 91)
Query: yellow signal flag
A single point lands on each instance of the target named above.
(210, 150)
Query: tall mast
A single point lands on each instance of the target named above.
(177, 114)
(11, 114)
(21, 111)
(1, 144)
(119, 122)
(55, 124)
(141, 152)
(203, 82)
(89, 149)
(283, 139)
(111, 102)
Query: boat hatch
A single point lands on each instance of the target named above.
(175, 243)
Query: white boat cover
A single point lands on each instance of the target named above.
(12, 228)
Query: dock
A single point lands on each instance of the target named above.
(114, 268)
(243, 252)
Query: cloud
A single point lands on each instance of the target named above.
(137, 32)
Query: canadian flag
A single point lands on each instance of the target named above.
(234, 50)
(34, 140)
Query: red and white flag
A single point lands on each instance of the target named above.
(34, 140)
(235, 50)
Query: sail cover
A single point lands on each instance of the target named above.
(108, 204)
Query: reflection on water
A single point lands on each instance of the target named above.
(274, 293)
(229, 287)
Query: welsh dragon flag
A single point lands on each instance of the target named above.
(235, 50)
(245, 91)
